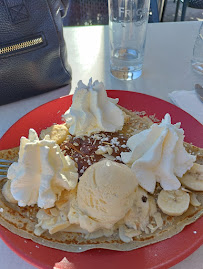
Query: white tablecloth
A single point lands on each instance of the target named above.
(166, 68)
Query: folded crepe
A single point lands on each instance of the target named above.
(22, 220)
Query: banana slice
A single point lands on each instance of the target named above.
(193, 179)
(173, 203)
(193, 200)
(57, 132)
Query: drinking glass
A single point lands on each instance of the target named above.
(128, 20)
(197, 59)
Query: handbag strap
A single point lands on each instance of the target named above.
(17, 10)
(64, 7)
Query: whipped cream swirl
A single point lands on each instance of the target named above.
(41, 173)
(92, 111)
(158, 155)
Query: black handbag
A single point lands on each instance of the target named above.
(33, 56)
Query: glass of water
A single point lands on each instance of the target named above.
(197, 59)
(128, 21)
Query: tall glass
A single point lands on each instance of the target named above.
(197, 59)
(128, 21)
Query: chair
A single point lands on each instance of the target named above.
(187, 3)
(154, 13)
(95, 12)
(87, 12)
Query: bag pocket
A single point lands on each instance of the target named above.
(22, 45)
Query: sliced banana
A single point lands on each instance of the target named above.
(193, 200)
(57, 132)
(193, 179)
(173, 203)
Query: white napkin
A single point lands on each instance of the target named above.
(188, 101)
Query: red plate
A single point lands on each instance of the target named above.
(160, 255)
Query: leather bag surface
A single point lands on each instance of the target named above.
(33, 54)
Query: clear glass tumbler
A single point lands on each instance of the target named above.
(128, 20)
(197, 60)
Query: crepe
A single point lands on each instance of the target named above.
(22, 220)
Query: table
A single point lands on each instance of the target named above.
(166, 68)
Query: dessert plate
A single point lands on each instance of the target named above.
(160, 255)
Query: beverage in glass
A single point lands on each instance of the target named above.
(197, 60)
(128, 20)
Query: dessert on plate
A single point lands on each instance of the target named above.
(105, 178)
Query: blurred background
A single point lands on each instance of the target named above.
(95, 12)
(194, 13)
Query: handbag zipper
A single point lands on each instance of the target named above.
(21, 45)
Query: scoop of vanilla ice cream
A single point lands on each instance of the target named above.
(92, 111)
(41, 173)
(158, 155)
(105, 194)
